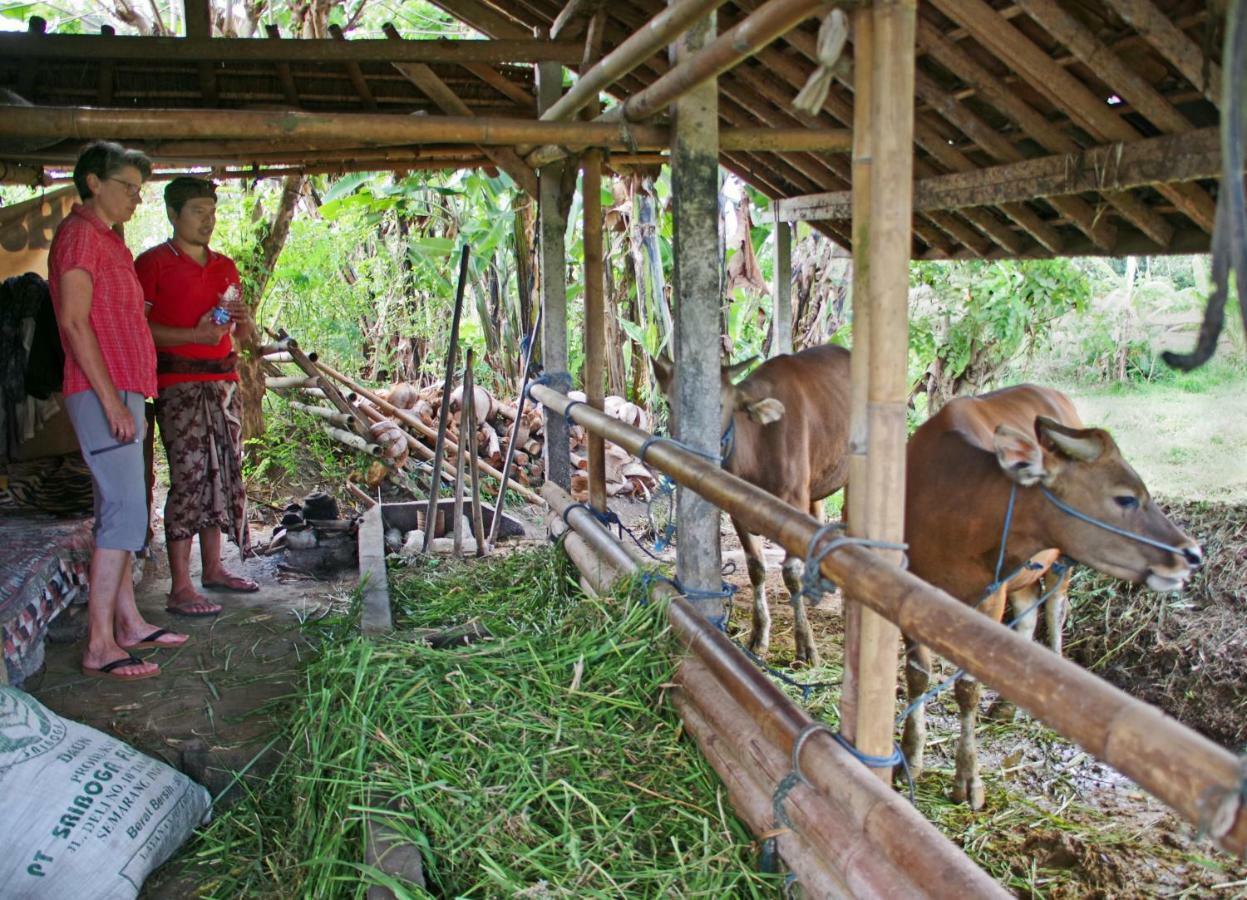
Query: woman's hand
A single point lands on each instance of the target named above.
(120, 421)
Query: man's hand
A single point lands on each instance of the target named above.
(120, 422)
(208, 332)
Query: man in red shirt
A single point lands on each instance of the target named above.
(186, 283)
(110, 367)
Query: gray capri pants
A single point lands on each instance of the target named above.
(116, 470)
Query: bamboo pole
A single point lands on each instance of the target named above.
(765, 718)
(305, 362)
(413, 422)
(289, 382)
(352, 440)
(341, 420)
(304, 51)
(443, 412)
(595, 318)
(859, 362)
(888, 245)
(772, 20)
(643, 43)
(1197, 778)
(360, 495)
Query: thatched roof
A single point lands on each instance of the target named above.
(1013, 98)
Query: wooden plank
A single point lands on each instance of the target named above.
(781, 291)
(1171, 42)
(595, 317)
(305, 51)
(1192, 156)
(198, 15)
(484, 18)
(1065, 91)
(375, 617)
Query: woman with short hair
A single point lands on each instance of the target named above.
(110, 368)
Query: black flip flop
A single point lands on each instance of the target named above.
(106, 671)
(152, 642)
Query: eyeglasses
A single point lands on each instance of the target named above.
(132, 190)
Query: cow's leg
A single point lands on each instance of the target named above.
(967, 786)
(807, 652)
(755, 562)
(1054, 612)
(917, 679)
(1020, 600)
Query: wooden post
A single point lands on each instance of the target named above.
(198, 18)
(696, 290)
(553, 255)
(888, 246)
(859, 363)
(474, 462)
(595, 318)
(467, 444)
(781, 292)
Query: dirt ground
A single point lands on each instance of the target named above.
(208, 712)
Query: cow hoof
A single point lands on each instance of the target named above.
(914, 770)
(810, 659)
(969, 791)
(1002, 711)
(758, 646)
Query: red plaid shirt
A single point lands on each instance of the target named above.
(84, 242)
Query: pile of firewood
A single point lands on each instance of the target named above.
(399, 423)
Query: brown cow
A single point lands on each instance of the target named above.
(789, 435)
(962, 466)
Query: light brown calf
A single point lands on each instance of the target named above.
(962, 465)
(786, 430)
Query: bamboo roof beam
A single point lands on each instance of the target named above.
(572, 18)
(1147, 101)
(1187, 157)
(740, 42)
(503, 85)
(104, 77)
(354, 73)
(426, 80)
(995, 92)
(1171, 42)
(484, 19)
(1065, 91)
(635, 50)
(304, 51)
(283, 71)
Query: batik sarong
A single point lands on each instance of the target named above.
(201, 428)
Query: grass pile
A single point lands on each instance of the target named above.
(1186, 653)
(542, 763)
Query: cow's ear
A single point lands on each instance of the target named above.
(1019, 455)
(662, 371)
(730, 372)
(1079, 444)
(764, 412)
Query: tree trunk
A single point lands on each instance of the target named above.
(616, 381)
(257, 271)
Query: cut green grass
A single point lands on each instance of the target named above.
(542, 763)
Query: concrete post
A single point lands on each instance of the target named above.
(552, 233)
(697, 295)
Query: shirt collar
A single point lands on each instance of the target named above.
(89, 215)
(173, 248)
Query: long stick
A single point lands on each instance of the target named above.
(515, 431)
(469, 401)
(465, 408)
(442, 414)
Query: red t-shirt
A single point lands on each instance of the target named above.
(84, 242)
(180, 291)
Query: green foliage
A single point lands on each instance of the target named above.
(295, 450)
(986, 314)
